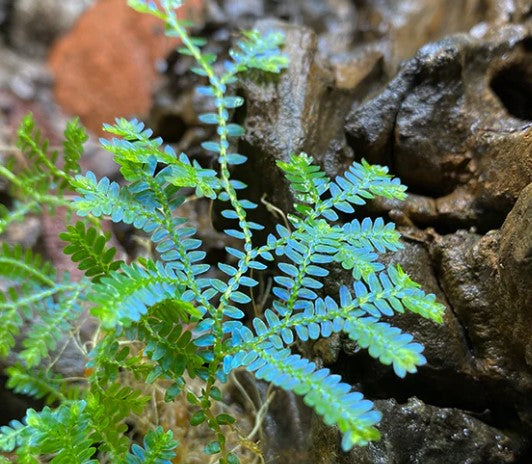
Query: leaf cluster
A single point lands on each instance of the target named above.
(171, 317)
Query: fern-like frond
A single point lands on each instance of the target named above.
(392, 290)
(158, 448)
(22, 265)
(386, 343)
(359, 183)
(169, 346)
(17, 214)
(108, 198)
(87, 247)
(52, 325)
(256, 51)
(305, 250)
(11, 322)
(11, 436)
(38, 384)
(23, 297)
(358, 317)
(362, 181)
(108, 409)
(36, 148)
(125, 295)
(374, 235)
(136, 147)
(40, 180)
(109, 359)
(308, 181)
(321, 390)
(62, 432)
(148, 205)
(74, 138)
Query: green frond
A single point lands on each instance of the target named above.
(22, 265)
(148, 205)
(36, 148)
(168, 345)
(36, 383)
(330, 398)
(39, 180)
(359, 183)
(386, 343)
(11, 435)
(23, 297)
(55, 321)
(158, 448)
(372, 235)
(362, 262)
(109, 359)
(306, 179)
(74, 138)
(321, 318)
(136, 147)
(11, 322)
(63, 432)
(414, 299)
(17, 214)
(87, 248)
(256, 51)
(108, 409)
(108, 198)
(125, 295)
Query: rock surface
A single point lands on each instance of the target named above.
(515, 269)
(305, 113)
(418, 433)
(480, 158)
(497, 324)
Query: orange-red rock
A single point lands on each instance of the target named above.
(105, 66)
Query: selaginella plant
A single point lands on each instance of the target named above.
(163, 320)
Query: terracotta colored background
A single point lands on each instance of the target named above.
(106, 66)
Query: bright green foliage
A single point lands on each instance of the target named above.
(166, 319)
(22, 265)
(41, 182)
(39, 384)
(158, 446)
(75, 137)
(32, 296)
(87, 248)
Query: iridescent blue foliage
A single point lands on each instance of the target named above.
(185, 317)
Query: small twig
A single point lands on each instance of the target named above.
(71, 379)
(191, 198)
(277, 212)
(154, 405)
(266, 294)
(243, 391)
(261, 413)
(58, 356)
